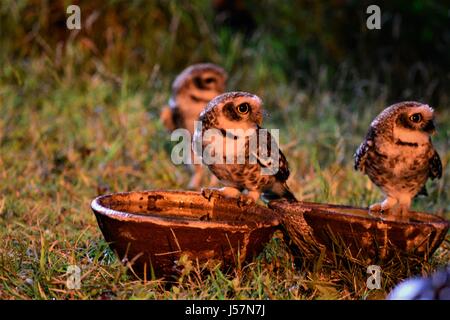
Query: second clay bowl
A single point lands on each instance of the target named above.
(351, 232)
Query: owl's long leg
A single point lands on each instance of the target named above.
(229, 192)
(404, 205)
(384, 206)
(196, 179)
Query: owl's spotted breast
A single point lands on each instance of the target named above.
(262, 167)
(398, 155)
(399, 171)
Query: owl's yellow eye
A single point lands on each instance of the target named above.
(243, 108)
(416, 117)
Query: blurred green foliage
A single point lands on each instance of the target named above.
(293, 41)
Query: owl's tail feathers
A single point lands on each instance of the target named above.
(283, 192)
(166, 118)
(289, 195)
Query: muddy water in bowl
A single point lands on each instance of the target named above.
(153, 229)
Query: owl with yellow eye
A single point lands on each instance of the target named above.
(398, 155)
(234, 112)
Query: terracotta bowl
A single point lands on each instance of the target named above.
(153, 229)
(353, 233)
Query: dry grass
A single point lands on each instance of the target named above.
(64, 139)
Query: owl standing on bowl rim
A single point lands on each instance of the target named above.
(192, 89)
(398, 155)
(267, 174)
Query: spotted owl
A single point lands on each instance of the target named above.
(398, 155)
(237, 116)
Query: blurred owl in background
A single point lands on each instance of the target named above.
(398, 156)
(191, 91)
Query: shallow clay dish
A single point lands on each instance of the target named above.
(353, 233)
(155, 228)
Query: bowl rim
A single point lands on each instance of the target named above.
(319, 209)
(165, 221)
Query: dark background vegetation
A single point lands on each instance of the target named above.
(79, 116)
(409, 57)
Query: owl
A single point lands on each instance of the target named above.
(248, 158)
(191, 91)
(398, 156)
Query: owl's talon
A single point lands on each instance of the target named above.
(244, 201)
(209, 193)
(376, 214)
(377, 211)
(376, 208)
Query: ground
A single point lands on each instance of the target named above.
(64, 139)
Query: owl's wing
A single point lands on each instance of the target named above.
(435, 166)
(423, 191)
(361, 153)
(435, 171)
(283, 168)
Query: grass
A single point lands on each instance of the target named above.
(67, 135)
